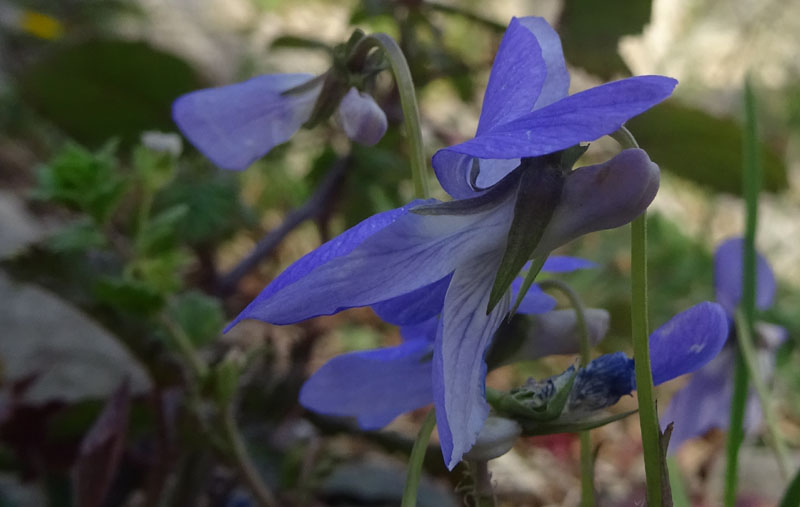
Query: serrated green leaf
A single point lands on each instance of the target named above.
(212, 201)
(77, 237)
(161, 231)
(155, 168)
(200, 316)
(83, 180)
(702, 148)
(163, 272)
(130, 295)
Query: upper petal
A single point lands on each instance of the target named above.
(374, 386)
(556, 83)
(518, 74)
(361, 117)
(459, 368)
(585, 116)
(602, 196)
(384, 257)
(728, 276)
(237, 124)
(688, 341)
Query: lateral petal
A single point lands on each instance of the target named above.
(688, 341)
(518, 74)
(375, 386)
(459, 366)
(237, 124)
(384, 257)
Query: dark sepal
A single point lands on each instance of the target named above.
(538, 194)
(566, 425)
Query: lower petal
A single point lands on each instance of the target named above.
(375, 386)
(459, 368)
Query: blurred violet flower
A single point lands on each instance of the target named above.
(704, 403)
(237, 124)
(527, 112)
(427, 249)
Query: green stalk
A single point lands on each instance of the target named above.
(587, 455)
(416, 459)
(484, 494)
(735, 430)
(679, 496)
(745, 318)
(748, 354)
(408, 101)
(645, 391)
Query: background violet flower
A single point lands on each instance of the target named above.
(237, 124)
(704, 403)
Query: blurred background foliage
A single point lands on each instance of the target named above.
(118, 251)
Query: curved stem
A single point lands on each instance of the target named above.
(408, 101)
(587, 455)
(416, 459)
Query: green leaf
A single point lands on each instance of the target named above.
(129, 295)
(103, 88)
(702, 148)
(161, 232)
(83, 180)
(200, 316)
(539, 193)
(155, 168)
(77, 237)
(590, 32)
(214, 211)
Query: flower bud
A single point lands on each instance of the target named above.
(361, 118)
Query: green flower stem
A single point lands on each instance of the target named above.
(587, 455)
(746, 316)
(416, 459)
(186, 349)
(645, 391)
(408, 101)
(679, 496)
(748, 353)
(241, 459)
(735, 430)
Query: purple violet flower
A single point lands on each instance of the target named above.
(375, 386)
(237, 124)
(452, 248)
(705, 402)
(527, 112)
